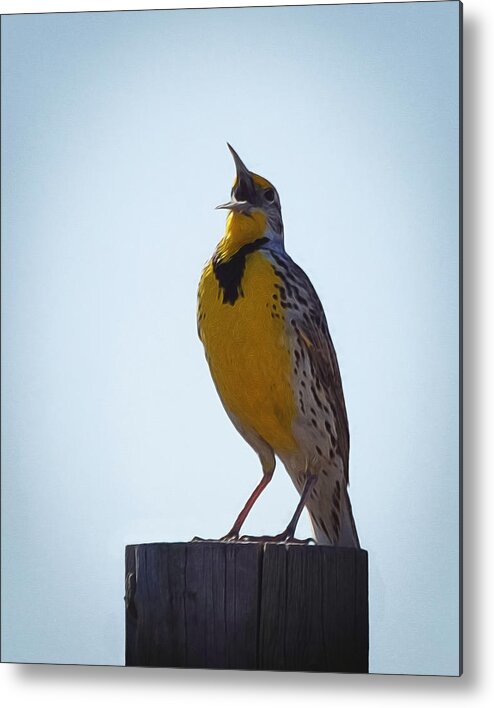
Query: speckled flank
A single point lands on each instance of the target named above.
(321, 427)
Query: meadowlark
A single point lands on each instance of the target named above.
(273, 362)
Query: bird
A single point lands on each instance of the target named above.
(273, 363)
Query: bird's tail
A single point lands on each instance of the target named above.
(330, 512)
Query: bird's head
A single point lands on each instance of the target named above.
(255, 210)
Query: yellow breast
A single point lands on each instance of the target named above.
(247, 350)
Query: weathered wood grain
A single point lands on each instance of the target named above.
(247, 606)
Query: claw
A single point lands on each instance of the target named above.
(229, 538)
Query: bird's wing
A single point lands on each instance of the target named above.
(304, 316)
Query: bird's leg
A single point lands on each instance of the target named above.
(232, 535)
(310, 482)
(288, 535)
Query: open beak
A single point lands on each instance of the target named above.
(243, 192)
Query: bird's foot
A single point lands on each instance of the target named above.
(198, 539)
(285, 538)
(228, 538)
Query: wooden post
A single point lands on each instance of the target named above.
(247, 606)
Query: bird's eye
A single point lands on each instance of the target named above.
(269, 195)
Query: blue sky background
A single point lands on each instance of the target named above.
(113, 158)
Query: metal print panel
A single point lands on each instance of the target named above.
(283, 491)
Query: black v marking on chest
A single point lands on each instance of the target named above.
(229, 273)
